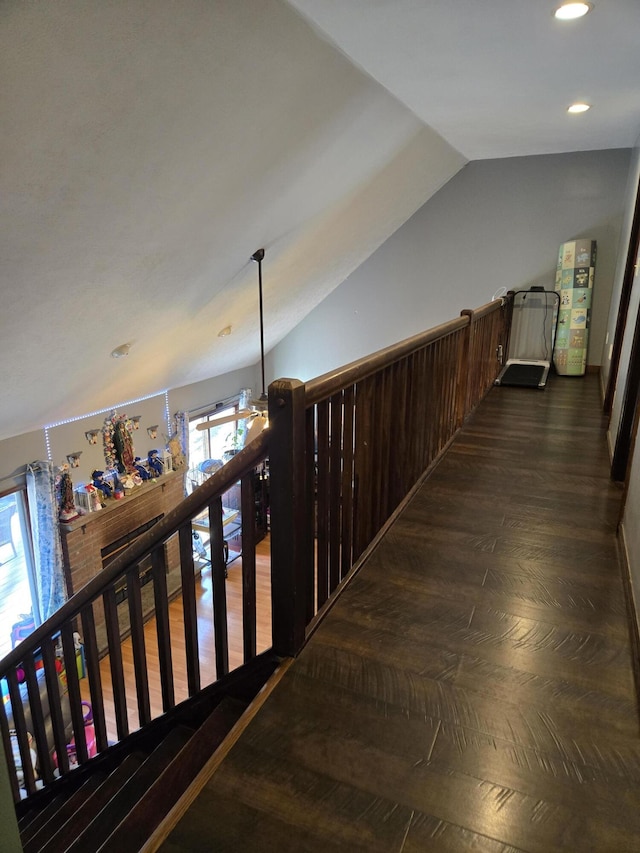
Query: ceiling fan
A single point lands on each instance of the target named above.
(258, 408)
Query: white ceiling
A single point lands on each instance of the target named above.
(149, 147)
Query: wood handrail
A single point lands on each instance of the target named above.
(245, 460)
(327, 384)
(484, 310)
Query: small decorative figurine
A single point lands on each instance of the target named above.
(94, 497)
(142, 471)
(154, 463)
(98, 481)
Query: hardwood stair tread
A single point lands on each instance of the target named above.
(130, 792)
(78, 821)
(59, 810)
(148, 812)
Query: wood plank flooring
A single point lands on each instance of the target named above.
(472, 689)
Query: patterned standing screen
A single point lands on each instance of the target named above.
(574, 282)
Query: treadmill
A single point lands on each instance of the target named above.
(533, 331)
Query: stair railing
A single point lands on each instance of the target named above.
(344, 451)
(42, 671)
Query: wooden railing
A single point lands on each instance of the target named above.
(51, 649)
(348, 447)
(344, 451)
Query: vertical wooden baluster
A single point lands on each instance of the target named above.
(375, 471)
(453, 373)
(37, 720)
(463, 370)
(363, 465)
(92, 664)
(134, 601)
(248, 509)
(20, 726)
(443, 379)
(218, 574)
(8, 752)
(55, 708)
(73, 691)
(311, 515)
(347, 484)
(402, 432)
(322, 544)
(426, 396)
(335, 487)
(415, 393)
(449, 385)
(163, 629)
(115, 662)
(187, 573)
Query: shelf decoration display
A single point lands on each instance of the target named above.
(118, 444)
(575, 274)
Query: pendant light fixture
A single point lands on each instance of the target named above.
(261, 404)
(258, 408)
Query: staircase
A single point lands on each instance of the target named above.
(335, 482)
(121, 808)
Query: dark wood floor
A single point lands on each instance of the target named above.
(473, 687)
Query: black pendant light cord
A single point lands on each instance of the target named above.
(258, 256)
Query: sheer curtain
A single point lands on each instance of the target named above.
(47, 548)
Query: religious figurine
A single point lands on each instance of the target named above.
(68, 511)
(123, 446)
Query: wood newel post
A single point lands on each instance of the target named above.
(287, 487)
(464, 369)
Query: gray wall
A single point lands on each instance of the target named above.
(497, 223)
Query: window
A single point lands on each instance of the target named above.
(18, 599)
(210, 444)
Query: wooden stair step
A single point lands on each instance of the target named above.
(66, 832)
(58, 812)
(168, 788)
(39, 817)
(92, 837)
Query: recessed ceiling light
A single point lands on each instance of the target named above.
(578, 108)
(121, 351)
(223, 333)
(571, 11)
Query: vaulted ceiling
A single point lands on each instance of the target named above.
(149, 147)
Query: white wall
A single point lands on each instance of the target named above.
(497, 223)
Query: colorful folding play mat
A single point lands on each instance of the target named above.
(574, 282)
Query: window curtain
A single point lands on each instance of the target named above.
(47, 548)
(181, 431)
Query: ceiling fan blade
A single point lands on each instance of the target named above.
(226, 419)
